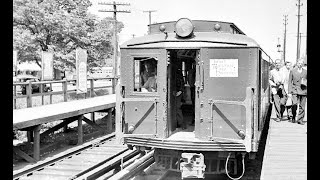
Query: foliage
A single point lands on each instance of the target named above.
(60, 26)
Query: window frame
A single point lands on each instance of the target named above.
(140, 58)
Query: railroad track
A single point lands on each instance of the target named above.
(104, 159)
(143, 168)
(89, 161)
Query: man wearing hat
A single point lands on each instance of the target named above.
(298, 91)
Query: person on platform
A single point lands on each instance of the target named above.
(298, 91)
(286, 70)
(276, 81)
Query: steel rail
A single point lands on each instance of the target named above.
(135, 167)
(149, 170)
(106, 166)
(122, 165)
(52, 161)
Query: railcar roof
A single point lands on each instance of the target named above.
(199, 39)
(199, 26)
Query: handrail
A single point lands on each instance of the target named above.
(64, 91)
(58, 81)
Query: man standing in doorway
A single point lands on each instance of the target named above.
(298, 91)
(191, 81)
(276, 81)
(178, 96)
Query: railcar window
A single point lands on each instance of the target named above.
(145, 74)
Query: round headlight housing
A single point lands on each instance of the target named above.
(162, 28)
(184, 27)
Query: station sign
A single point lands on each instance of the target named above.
(81, 68)
(47, 65)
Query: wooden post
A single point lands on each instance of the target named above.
(80, 131)
(109, 120)
(91, 87)
(65, 90)
(65, 99)
(113, 86)
(29, 136)
(51, 94)
(42, 96)
(118, 115)
(36, 143)
(29, 94)
(92, 117)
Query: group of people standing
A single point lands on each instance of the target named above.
(289, 90)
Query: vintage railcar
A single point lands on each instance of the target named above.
(230, 102)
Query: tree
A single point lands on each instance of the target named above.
(60, 26)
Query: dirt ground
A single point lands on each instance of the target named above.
(60, 141)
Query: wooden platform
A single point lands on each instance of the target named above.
(27, 117)
(30, 119)
(285, 155)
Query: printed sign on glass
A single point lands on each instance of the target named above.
(47, 65)
(81, 67)
(223, 67)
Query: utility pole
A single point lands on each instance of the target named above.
(299, 42)
(306, 40)
(116, 83)
(300, 36)
(298, 32)
(115, 53)
(279, 46)
(150, 11)
(284, 39)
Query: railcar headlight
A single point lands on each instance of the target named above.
(130, 129)
(184, 27)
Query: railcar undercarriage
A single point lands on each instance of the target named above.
(195, 164)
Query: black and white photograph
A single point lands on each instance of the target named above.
(159, 90)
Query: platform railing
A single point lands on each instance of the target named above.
(65, 91)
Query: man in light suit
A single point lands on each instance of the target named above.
(276, 81)
(286, 69)
(298, 91)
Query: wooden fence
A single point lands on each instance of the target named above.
(64, 91)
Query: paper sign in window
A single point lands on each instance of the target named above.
(223, 67)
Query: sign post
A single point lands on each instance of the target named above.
(81, 68)
(47, 66)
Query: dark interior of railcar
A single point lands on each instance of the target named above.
(181, 68)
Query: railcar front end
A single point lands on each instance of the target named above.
(230, 101)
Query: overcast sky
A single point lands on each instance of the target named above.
(262, 20)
